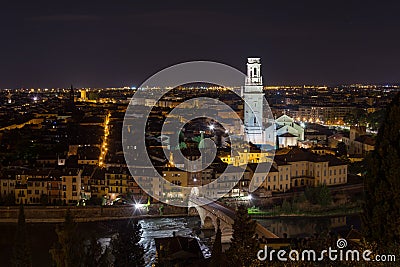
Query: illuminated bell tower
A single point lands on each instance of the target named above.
(253, 95)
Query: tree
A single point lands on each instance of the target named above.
(320, 195)
(105, 258)
(381, 217)
(68, 251)
(375, 119)
(216, 253)
(126, 248)
(21, 251)
(286, 206)
(93, 254)
(244, 246)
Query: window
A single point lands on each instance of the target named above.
(74, 180)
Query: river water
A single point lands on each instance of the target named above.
(43, 236)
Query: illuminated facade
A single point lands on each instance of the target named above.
(252, 93)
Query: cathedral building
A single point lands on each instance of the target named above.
(288, 132)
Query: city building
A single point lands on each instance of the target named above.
(71, 186)
(358, 142)
(288, 131)
(310, 169)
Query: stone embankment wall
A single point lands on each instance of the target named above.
(52, 214)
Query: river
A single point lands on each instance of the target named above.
(43, 235)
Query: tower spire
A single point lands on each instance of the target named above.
(70, 103)
(254, 96)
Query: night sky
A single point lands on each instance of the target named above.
(121, 43)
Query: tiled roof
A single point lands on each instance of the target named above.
(298, 154)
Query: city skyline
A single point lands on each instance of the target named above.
(199, 133)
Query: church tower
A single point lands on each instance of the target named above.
(252, 93)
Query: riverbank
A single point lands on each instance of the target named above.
(340, 211)
(42, 236)
(56, 214)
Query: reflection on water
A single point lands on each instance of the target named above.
(43, 236)
(164, 227)
(306, 226)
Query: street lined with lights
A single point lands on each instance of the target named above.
(104, 148)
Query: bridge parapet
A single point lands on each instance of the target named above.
(212, 212)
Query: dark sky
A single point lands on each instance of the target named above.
(120, 43)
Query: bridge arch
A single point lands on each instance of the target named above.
(214, 214)
(209, 223)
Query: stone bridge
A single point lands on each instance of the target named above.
(213, 213)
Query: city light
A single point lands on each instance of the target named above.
(139, 206)
(104, 145)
